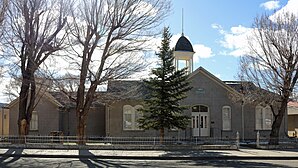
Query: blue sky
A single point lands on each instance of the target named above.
(218, 27)
(217, 30)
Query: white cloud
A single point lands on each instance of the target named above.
(218, 76)
(270, 5)
(235, 40)
(291, 6)
(201, 51)
(143, 8)
(218, 27)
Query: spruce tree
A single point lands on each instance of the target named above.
(167, 87)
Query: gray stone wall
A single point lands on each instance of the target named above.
(95, 122)
(115, 125)
(48, 118)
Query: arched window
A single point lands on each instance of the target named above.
(131, 116)
(226, 118)
(127, 117)
(264, 118)
(200, 108)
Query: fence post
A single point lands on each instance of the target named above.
(258, 139)
(237, 140)
(154, 141)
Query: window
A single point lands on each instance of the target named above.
(226, 118)
(131, 116)
(34, 121)
(200, 108)
(263, 118)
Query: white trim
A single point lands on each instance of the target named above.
(34, 121)
(130, 117)
(226, 118)
(263, 118)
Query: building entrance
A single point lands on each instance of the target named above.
(200, 121)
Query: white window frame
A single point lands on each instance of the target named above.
(131, 116)
(263, 118)
(226, 118)
(34, 121)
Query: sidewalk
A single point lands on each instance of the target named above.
(154, 154)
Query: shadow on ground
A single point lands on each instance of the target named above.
(91, 161)
(198, 159)
(5, 159)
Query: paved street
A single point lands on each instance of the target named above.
(148, 158)
(244, 152)
(69, 162)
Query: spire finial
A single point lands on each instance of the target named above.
(182, 23)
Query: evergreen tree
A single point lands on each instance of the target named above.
(167, 88)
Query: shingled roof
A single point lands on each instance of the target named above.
(63, 98)
(127, 89)
(241, 86)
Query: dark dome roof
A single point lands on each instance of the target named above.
(183, 44)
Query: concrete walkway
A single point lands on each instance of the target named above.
(154, 154)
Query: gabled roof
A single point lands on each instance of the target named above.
(213, 78)
(62, 98)
(45, 94)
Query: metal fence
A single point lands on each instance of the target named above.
(95, 140)
(283, 140)
(150, 141)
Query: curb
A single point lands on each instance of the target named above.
(154, 157)
(122, 147)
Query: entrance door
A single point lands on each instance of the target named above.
(200, 121)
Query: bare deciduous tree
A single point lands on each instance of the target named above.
(3, 9)
(273, 64)
(34, 32)
(106, 38)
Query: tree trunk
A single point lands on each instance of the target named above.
(22, 121)
(161, 135)
(83, 108)
(26, 100)
(274, 135)
(81, 130)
